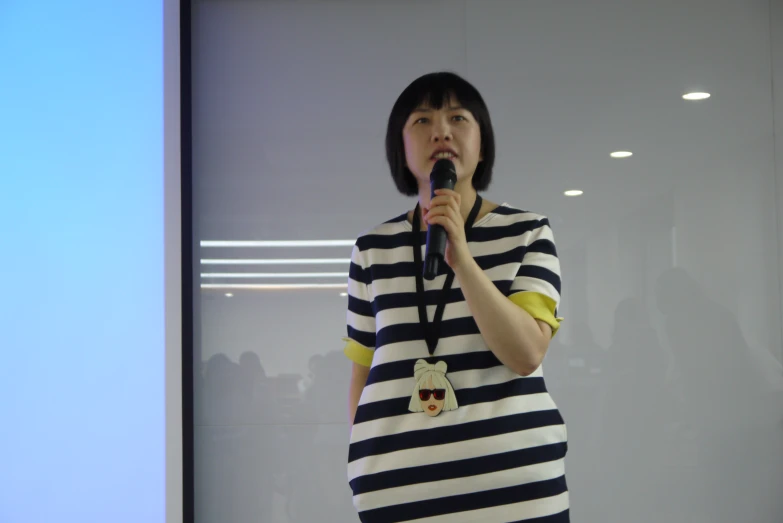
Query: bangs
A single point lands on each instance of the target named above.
(437, 92)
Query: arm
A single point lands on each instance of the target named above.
(360, 342)
(359, 375)
(517, 328)
(519, 341)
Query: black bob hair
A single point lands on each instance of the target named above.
(433, 90)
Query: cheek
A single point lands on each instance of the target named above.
(476, 143)
(471, 140)
(410, 145)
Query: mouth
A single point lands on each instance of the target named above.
(444, 154)
(432, 407)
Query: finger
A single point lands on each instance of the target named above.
(446, 200)
(452, 230)
(443, 221)
(445, 210)
(443, 199)
(455, 204)
(447, 192)
(450, 192)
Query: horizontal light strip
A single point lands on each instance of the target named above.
(281, 243)
(274, 275)
(297, 261)
(271, 286)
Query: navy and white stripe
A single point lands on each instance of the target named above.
(500, 456)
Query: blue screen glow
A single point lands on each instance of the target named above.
(82, 436)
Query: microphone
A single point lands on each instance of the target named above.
(443, 176)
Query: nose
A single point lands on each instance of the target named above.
(441, 130)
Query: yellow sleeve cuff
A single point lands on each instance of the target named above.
(539, 306)
(357, 352)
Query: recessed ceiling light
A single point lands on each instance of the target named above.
(621, 154)
(574, 192)
(343, 294)
(696, 96)
(229, 295)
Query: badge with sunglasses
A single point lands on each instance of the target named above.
(438, 394)
(433, 392)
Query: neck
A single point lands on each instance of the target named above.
(465, 190)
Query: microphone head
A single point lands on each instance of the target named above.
(443, 175)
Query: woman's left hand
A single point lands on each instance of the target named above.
(445, 211)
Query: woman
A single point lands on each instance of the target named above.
(485, 442)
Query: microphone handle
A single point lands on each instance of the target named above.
(434, 259)
(436, 247)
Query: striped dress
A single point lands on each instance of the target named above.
(499, 457)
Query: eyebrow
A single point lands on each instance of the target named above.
(425, 110)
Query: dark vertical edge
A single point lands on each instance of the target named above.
(188, 483)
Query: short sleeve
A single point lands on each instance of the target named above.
(536, 287)
(360, 318)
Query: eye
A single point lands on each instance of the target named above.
(460, 118)
(423, 119)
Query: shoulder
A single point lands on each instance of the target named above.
(387, 235)
(521, 219)
(515, 228)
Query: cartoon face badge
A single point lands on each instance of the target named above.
(432, 399)
(433, 393)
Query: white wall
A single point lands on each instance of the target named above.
(668, 368)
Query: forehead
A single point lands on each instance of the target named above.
(449, 103)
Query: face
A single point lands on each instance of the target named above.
(449, 132)
(432, 399)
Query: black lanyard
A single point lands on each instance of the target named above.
(432, 335)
